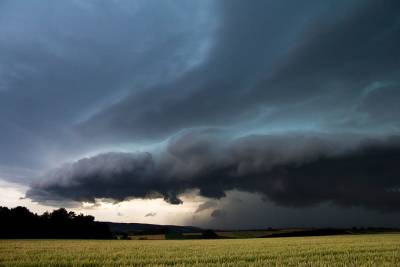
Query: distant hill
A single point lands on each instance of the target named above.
(309, 232)
(148, 229)
(156, 229)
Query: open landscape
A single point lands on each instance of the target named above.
(63, 238)
(351, 250)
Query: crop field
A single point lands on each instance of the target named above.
(351, 250)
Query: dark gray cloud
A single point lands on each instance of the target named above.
(218, 213)
(291, 170)
(254, 212)
(79, 78)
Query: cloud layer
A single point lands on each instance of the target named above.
(276, 65)
(292, 170)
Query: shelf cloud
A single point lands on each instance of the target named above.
(292, 170)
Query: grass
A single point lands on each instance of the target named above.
(352, 250)
(147, 237)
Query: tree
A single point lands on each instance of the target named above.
(19, 222)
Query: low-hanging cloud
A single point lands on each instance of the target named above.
(150, 214)
(206, 206)
(291, 170)
(218, 213)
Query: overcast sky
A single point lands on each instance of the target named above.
(226, 113)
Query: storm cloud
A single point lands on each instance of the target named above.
(63, 62)
(292, 170)
(296, 102)
(284, 63)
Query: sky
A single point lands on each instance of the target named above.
(224, 114)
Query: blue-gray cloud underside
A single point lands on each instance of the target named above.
(327, 72)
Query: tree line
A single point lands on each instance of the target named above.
(20, 222)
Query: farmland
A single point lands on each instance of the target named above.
(346, 250)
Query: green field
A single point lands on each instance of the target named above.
(351, 250)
